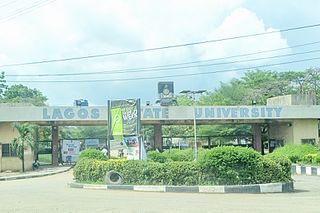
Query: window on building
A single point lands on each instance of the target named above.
(311, 141)
(7, 151)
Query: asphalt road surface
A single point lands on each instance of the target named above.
(51, 194)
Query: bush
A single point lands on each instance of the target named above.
(92, 170)
(92, 154)
(174, 155)
(231, 165)
(276, 169)
(317, 159)
(295, 152)
(156, 156)
(223, 165)
(179, 155)
(138, 172)
(309, 158)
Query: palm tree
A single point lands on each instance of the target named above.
(25, 139)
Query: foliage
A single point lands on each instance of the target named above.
(223, 165)
(295, 152)
(3, 86)
(23, 94)
(177, 130)
(309, 158)
(179, 155)
(174, 155)
(273, 171)
(92, 154)
(83, 132)
(156, 156)
(25, 139)
(317, 159)
(232, 165)
(139, 172)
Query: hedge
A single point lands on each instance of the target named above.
(295, 152)
(275, 169)
(237, 165)
(92, 154)
(222, 166)
(174, 155)
(139, 172)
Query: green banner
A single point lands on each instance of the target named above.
(116, 118)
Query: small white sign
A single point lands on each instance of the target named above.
(70, 150)
(91, 143)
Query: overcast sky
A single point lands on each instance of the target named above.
(35, 30)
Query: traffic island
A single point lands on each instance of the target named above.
(249, 189)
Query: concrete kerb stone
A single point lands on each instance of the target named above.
(305, 170)
(249, 189)
(26, 176)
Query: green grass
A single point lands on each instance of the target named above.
(45, 158)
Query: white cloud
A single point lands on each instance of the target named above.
(243, 22)
(75, 28)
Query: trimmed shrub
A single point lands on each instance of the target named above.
(222, 165)
(174, 155)
(295, 152)
(309, 158)
(179, 155)
(317, 159)
(139, 172)
(275, 169)
(231, 165)
(92, 154)
(156, 156)
(92, 170)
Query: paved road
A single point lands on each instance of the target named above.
(51, 194)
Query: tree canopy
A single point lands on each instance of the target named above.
(23, 94)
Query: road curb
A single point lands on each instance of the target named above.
(305, 170)
(26, 176)
(249, 189)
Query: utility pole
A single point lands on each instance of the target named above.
(193, 98)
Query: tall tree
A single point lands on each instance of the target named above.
(23, 94)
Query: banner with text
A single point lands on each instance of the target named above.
(124, 124)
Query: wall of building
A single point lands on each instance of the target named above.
(281, 131)
(288, 100)
(305, 129)
(293, 132)
(7, 134)
(15, 164)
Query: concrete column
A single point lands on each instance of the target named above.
(55, 144)
(158, 136)
(257, 143)
(0, 157)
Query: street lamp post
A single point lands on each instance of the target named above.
(193, 97)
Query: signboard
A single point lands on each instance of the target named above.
(166, 93)
(98, 114)
(124, 127)
(117, 145)
(91, 143)
(70, 150)
(133, 147)
(124, 117)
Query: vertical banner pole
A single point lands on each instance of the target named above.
(139, 127)
(109, 128)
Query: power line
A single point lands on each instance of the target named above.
(164, 76)
(26, 10)
(161, 48)
(7, 3)
(111, 72)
